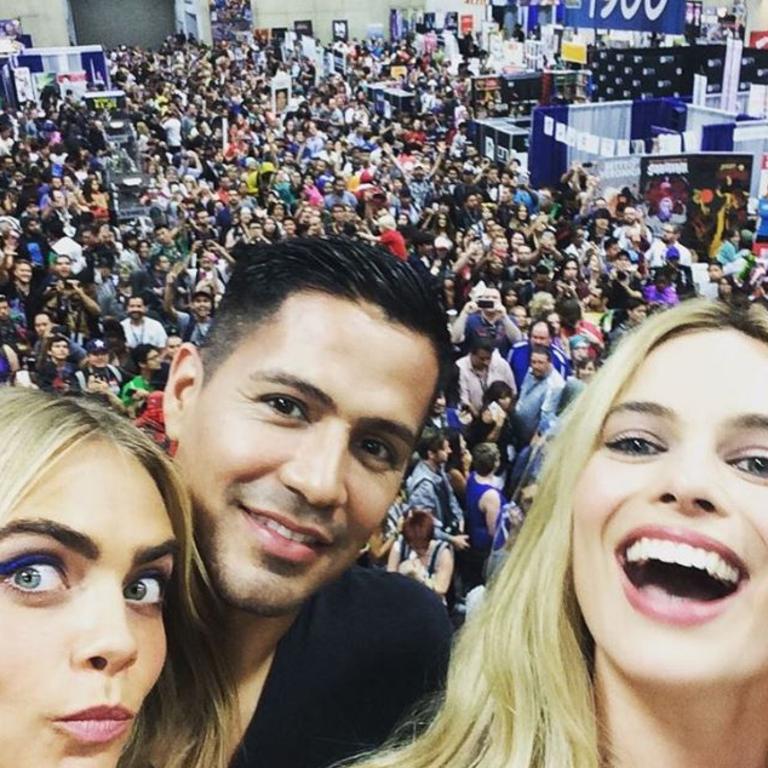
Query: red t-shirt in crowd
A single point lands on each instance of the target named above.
(394, 242)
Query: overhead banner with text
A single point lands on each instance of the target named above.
(662, 16)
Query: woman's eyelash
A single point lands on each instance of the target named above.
(10, 567)
(634, 445)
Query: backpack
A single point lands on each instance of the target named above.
(452, 527)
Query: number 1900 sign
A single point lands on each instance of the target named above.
(666, 16)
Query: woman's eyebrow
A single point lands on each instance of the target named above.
(646, 407)
(749, 421)
(70, 538)
(150, 554)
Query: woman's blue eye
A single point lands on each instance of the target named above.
(635, 446)
(38, 577)
(754, 465)
(148, 590)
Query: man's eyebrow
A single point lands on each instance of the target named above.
(150, 554)
(644, 407)
(74, 540)
(287, 380)
(395, 428)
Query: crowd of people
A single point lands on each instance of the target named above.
(537, 285)
(313, 293)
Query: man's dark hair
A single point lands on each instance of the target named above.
(140, 353)
(431, 440)
(266, 275)
(634, 303)
(540, 349)
(480, 343)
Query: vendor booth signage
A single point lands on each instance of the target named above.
(575, 52)
(705, 194)
(485, 90)
(303, 27)
(662, 16)
(280, 86)
(105, 101)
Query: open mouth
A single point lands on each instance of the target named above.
(676, 569)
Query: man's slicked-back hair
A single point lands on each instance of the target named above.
(266, 275)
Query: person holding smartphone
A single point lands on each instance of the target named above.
(484, 317)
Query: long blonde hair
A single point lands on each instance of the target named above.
(189, 713)
(519, 691)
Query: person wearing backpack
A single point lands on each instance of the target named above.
(428, 487)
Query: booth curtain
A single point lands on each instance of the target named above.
(717, 138)
(663, 113)
(547, 158)
(609, 120)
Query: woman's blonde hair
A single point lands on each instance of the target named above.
(540, 305)
(519, 691)
(189, 713)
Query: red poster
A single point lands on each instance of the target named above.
(466, 23)
(758, 39)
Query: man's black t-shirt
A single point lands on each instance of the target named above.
(361, 653)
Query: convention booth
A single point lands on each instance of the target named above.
(387, 98)
(561, 135)
(499, 139)
(78, 68)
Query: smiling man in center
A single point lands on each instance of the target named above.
(295, 424)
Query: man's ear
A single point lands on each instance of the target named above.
(185, 383)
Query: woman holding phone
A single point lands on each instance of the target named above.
(99, 582)
(628, 625)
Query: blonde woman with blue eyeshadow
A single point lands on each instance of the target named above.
(104, 660)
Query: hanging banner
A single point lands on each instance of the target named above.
(705, 194)
(466, 24)
(25, 89)
(280, 86)
(303, 27)
(339, 62)
(340, 30)
(662, 16)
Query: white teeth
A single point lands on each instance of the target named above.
(682, 554)
(286, 533)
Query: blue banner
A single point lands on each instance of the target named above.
(664, 16)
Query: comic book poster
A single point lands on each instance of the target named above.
(618, 181)
(705, 194)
